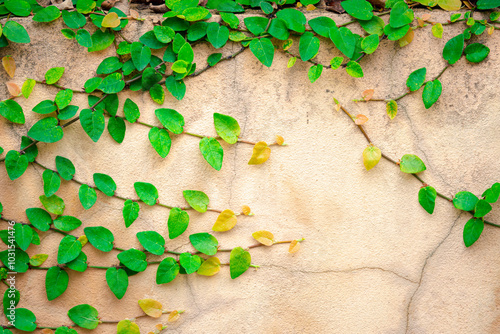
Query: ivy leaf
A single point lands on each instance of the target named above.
(84, 316)
(69, 249)
(178, 221)
(472, 231)
(15, 164)
(308, 46)
(109, 65)
(260, 154)
(167, 270)
(411, 164)
(176, 87)
(39, 218)
(437, 30)
(149, 78)
(133, 259)
(84, 39)
(360, 9)
(146, 192)
(214, 58)
(293, 19)
(492, 194)
(20, 263)
(51, 182)
(92, 123)
(160, 140)
(53, 75)
(450, 5)
(210, 267)
(54, 204)
(117, 128)
(111, 20)
(152, 241)
(344, 40)
(151, 307)
(432, 92)
(277, 29)
(18, 7)
(482, 209)
(198, 200)
(67, 223)
(164, 34)
(488, 4)
(393, 34)
(264, 237)
(256, 24)
(204, 243)
(63, 98)
(190, 262)
(225, 221)
(263, 50)
(392, 109)
(11, 110)
(23, 235)
(232, 20)
(171, 120)
(130, 212)
(127, 327)
(239, 262)
(38, 259)
(416, 79)
(465, 201)
(157, 94)
(212, 151)
(322, 25)
(92, 84)
(354, 69)
(117, 280)
(23, 318)
(370, 43)
(9, 65)
(373, 26)
(371, 157)
(100, 237)
(105, 183)
(56, 282)
(87, 196)
(100, 40)
(427, 198)
(453, 49)
(476, 52)
(74, 19)
(314, 72)
(112, 84)
(47, 14)
(46, 130)
(27, 88)
(401, 15)
(227, 128)
(131, 110)
(217, 35)
(15, 32)
(45, 107)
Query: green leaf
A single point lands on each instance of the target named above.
(354, 69)
(149, 78)
(360, 9)
(277, 29)
(93, 123)
(344, 40)
(212, 151)
(152, 241)
(149, 40)
(63, 98)
(92, 84)
(437, 30)
(23, 235)
(116, 128)
(65, 330)
(178, 42)
(87, 196)
(373, 26)
(164, 34)
(11, 110)
(10, 297)
(127, 327)
(322, 25)
(294, 19)
(15, 32)
(482, 208)
(24, 319)
(167, 270)
(54, 204)
(56, 282)
(30, 152)
(69, 249)
(256, 24)
(53, 75)
(67, 223)
(232, 20)
(263, 50)
(488, 4)
(105, 183)
(160, 140)
(117, 280)
(180, 66)
(411, 164)
(18, 7)
(196, 31)
(100, 40)
(308, 46)
(465, 201)
(427, 198)
(130, 212)
(432, 92)
(38, 259)
(186, 53)
(47, 14)
(51, 182)
(133, 259)
(198, 200)
(84, 39)
(401, 15)
(65, 168)
(100, 237)
(178, 221)
(84, 315)
(217, 35)
(20, 263)
(239, 262)
(39, 218)
(453, 49)
(45, 107)
(73, 20)
(315, 72)
(392, 109)
(416, 79)
(85, 6)
(204, 243)
(131, 110)
(15, 164)
(27, 88)
(227, 128)
(195, 13)
(214, 58)
(393, 34)
(113, 83)
(370, 43)
(472, 231)
(176, 87)
(109, 65)
(190, 262)
(492, 194)
(476, 52)
(146, 192)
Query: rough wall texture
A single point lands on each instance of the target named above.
(373, 261)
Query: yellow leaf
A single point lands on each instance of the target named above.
(225, 221)
(310, 7)
(450, 4)
(392, 109)
(47, 331)
(111, 20)
(38, 259)
(134, 14)
(210, 267)
(491, 30)
(174, 316)
(151, 307)
(83, 239)
(299, 5)
(337, 104)
(371, 157)
(368, 94)
(9, 65)
(360, 119)
(127, 327)
(13, 88)
(294, 247)
(159, 327)
(407, 38)
(280, 140)
(264, 237)
(246, 210)
(287, 44)
(261, 152)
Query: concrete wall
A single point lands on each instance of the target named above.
(373, 261)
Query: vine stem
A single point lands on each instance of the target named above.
(58, 86)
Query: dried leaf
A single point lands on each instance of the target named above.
(159, 327)
(337, 104)
(294, 247)
(264, 237)
(210, 267)
(134, 14)
(151, 307)
(407, 38)
(280, 140)
(83, 239)
(111, 20)
(368, 94)
(426, 17)
(261, 152)
(310, 7)
(246, 210)
(491, 30)
(9, 65)
(226, 221)
(420, 23)
(13, 88)
(47, 331)
(360, 119)
(174, 316)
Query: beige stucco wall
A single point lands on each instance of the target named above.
(373, 261)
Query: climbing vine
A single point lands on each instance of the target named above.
(277, 26)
